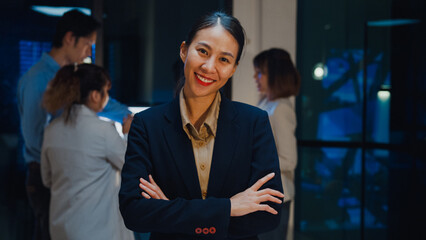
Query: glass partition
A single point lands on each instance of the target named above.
(361, 120)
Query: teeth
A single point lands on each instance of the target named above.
(204, 80)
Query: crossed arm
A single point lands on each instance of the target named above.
(243, 203)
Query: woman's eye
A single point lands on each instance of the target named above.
(224, 60)
(203, 51)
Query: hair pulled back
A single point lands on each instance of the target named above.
(72, 85)
(283, 77)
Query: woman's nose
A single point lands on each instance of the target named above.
(208, 65)
(256, 76)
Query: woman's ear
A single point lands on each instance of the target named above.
(183, 51)
(235, 68)
(95, 97)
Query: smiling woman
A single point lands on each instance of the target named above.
(205, 166)
(209, 62)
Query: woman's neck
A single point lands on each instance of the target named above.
(198, 108)
(92, 106)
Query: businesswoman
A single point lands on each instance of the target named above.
(206, 167)
(81, 157)
(278, 82)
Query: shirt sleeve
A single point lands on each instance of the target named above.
(115, 147)
(114, 110)
(33, 121)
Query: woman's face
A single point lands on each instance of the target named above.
(209, 61)
(102, 99)
(261, 78)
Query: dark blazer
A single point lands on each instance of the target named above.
(244, 151)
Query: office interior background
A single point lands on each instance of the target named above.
(361, 111)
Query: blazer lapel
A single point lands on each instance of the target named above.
(181, 149)
(227, 135)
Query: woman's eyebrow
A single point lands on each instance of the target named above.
(209, 48)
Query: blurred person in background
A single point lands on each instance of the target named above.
(73, 40)
(82, 157)
(278, 82)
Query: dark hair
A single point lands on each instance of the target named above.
(80, 24)
(283, 77)
(230, 23)
(72, 85)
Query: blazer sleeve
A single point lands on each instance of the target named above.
(264, 161)
(283, 122)
(176, 216)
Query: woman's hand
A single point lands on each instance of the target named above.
(250, 200)
(152, 190)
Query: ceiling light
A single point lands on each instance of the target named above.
(319, 71)
(58, 11)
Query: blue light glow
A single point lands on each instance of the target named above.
(30, 52)
(391, 22)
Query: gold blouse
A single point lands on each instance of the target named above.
(203, 140)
